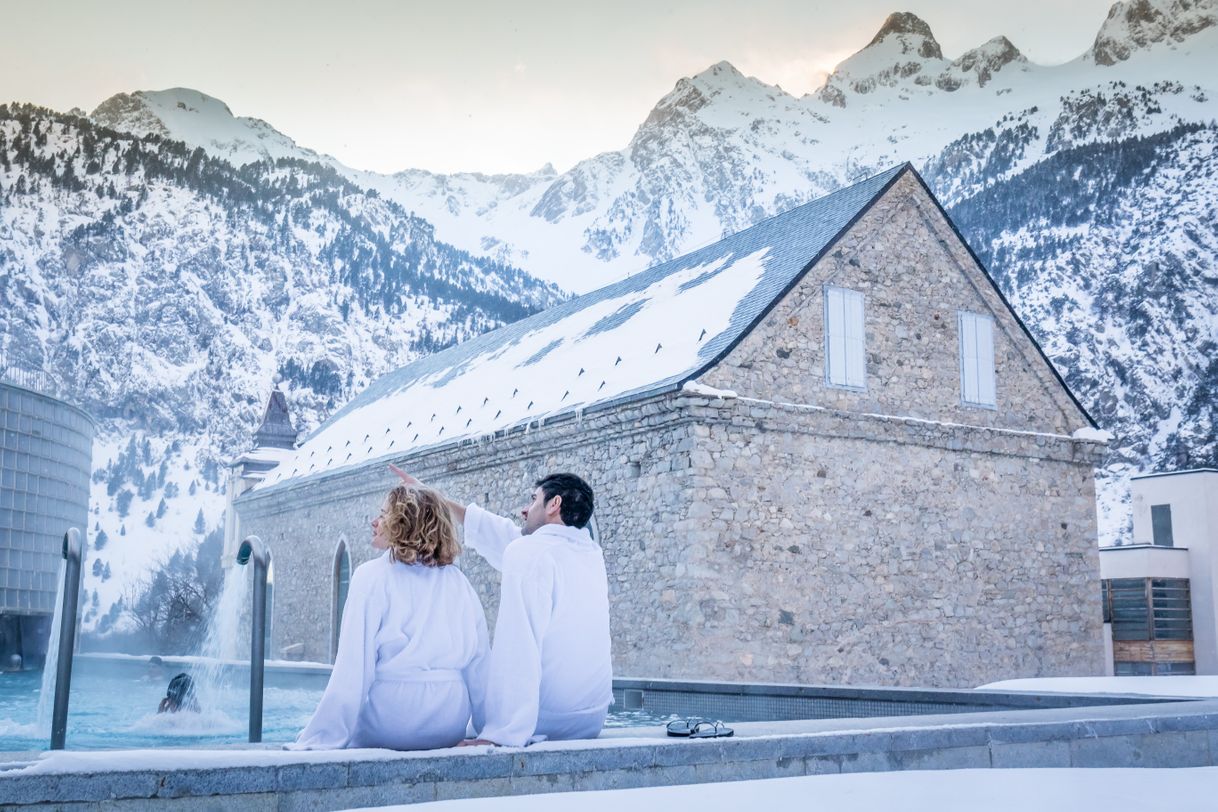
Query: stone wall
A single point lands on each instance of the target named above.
(754, 541)
(821, 547)
(915, 276)
(635, 457)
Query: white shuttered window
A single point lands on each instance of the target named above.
(844, 344)
(977, 360)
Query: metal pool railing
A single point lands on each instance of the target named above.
(67, 637)
(253, 549)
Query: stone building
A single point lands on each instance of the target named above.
(825, 450)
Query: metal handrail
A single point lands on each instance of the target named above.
(36, 380)
(72, 551)
(253, 548)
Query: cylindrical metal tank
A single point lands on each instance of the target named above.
(46, 449)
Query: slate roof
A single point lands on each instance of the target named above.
(753, 268)
(276, 430)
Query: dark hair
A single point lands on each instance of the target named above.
(576, 507)
(181, 690)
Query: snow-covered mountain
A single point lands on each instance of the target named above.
(163, 290)
(722, 150)
(1087, 187)
(199, 120)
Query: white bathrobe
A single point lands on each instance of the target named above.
(410, 670)
(550, 674)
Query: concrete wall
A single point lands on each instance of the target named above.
(1143, 561)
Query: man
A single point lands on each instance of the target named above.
(549, 674)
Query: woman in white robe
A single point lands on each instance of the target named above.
(409, 673)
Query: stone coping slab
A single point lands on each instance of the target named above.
(1166, 734)
(938, 696)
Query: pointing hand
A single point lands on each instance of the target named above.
(406, 478)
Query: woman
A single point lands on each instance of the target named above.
(413, 642)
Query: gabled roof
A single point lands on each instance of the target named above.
(647, 334)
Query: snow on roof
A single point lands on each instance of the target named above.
(264, 454)
(643, 335)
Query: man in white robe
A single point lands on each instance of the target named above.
(549, 675)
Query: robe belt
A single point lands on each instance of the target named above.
(419, 675)
(569, 715)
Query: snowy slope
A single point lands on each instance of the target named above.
(164, 290)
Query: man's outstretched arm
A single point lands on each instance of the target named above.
(485, 532)
(456, 508)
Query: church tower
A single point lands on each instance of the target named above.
(274, 441)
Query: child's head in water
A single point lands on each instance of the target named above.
(179, 696)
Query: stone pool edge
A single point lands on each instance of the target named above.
(1172, 734)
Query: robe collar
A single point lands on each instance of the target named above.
(579, 535)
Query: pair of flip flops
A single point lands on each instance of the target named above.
(697, 728)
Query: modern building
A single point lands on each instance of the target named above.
(824, 450)
(1160, 608)
(46, 447)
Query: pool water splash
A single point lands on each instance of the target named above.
(46, 696)
(17, 730)
(227, 640)
(188, 723)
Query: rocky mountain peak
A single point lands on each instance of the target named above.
(129, 113)
(912, 32)
(1133, 25)
(721, 83)
(981, 63)
(198, 120)
(903, 50)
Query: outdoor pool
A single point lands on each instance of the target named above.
(113, 705)
(114, 700)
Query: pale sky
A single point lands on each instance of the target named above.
(471, 85)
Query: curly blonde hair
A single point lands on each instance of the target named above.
(419, 529)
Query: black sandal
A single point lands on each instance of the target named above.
(684, 727)
(711, 730)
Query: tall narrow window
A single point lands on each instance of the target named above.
(844, 343)
(342, 581)
(1160, 525)
(977, 360)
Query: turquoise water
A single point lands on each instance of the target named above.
(113, 705)
(110, 708)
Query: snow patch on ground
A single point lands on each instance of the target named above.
(1206, 686)
(1013, 790)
